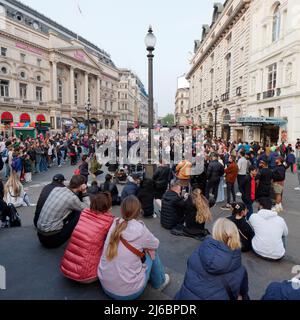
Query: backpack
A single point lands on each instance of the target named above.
(13, 219)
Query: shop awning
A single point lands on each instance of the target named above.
(40, 118)
(7, 117)
(260, 121)
(24, 117)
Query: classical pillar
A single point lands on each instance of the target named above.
(54, 81)
(86, 87)
(72, 89)
(98, 94)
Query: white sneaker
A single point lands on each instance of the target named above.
(238, 194)
(297, 189)
(165, 284)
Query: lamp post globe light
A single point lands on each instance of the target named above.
(88, 109)
(216, 107)
(150, 42)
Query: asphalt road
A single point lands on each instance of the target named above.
(33, 273)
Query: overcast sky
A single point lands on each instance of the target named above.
(119, 27)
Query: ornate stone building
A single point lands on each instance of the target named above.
(182, 110)
(218, 75)
(49, 74)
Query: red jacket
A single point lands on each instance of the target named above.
(82, 256)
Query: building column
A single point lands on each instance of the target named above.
(54, 81)
(86, 87)
(72, 87)
(98, 95)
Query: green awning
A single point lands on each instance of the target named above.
(260, 121)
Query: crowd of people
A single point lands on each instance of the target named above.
(122, 253)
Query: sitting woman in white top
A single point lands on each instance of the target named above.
(130, 256)
(14, 192)
(270, 232)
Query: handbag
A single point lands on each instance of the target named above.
(135, 251)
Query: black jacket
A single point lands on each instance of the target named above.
(43, 198)
(264, 178)
(190, 212)
(146, 197)
(84, 169)
(279, 173)
(215, 171)
(113, 189)
(246, 197)
(171, 210)
(246, 232)
(161, 180)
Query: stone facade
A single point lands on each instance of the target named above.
(182, 110)
(218, 75)
(246, 67)
(47, 70)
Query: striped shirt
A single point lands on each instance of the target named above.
(60, 203)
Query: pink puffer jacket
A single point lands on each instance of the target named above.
(82, 256)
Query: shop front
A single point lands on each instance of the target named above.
(266, 130)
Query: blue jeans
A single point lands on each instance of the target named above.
(155, 273)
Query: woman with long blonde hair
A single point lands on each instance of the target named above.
(14, 192)
(215, 270)
(196, 214)
(129, 258)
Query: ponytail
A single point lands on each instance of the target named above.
(112, 250)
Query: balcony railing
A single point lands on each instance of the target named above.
(209, 103)
(269, 94)
(225, 97)
(8, 99)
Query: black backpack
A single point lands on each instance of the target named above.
(14, 217)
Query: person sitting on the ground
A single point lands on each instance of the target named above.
(4, 209)
(124, 270)
(270, 231)
(61, 212)
(112, 188)
(239, 213)
(196, 214)
(14, 192)
(94, 188)
(172, 207)
(57, 182)
(286, 290)
(131, 187)
(82, 256)
(215, 270)
(146, 197)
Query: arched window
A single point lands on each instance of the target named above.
(276, 23)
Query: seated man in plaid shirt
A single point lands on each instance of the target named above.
(61, 212)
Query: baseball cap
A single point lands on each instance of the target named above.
(58, 178)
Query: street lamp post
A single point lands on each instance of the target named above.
(88, 110)
(150, 42)
(216, 107)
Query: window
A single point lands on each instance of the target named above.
(39, 78)
(59, 90)
(3, 51)
(105, 105)
(242, 51)
(4, 88)
(23, 91)
(272, 76)
(75, 94)
(39, 63)
(228, 72)
(212, 83)
(22, 57)
(39, 93)
(23, 75)
(276, 24)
